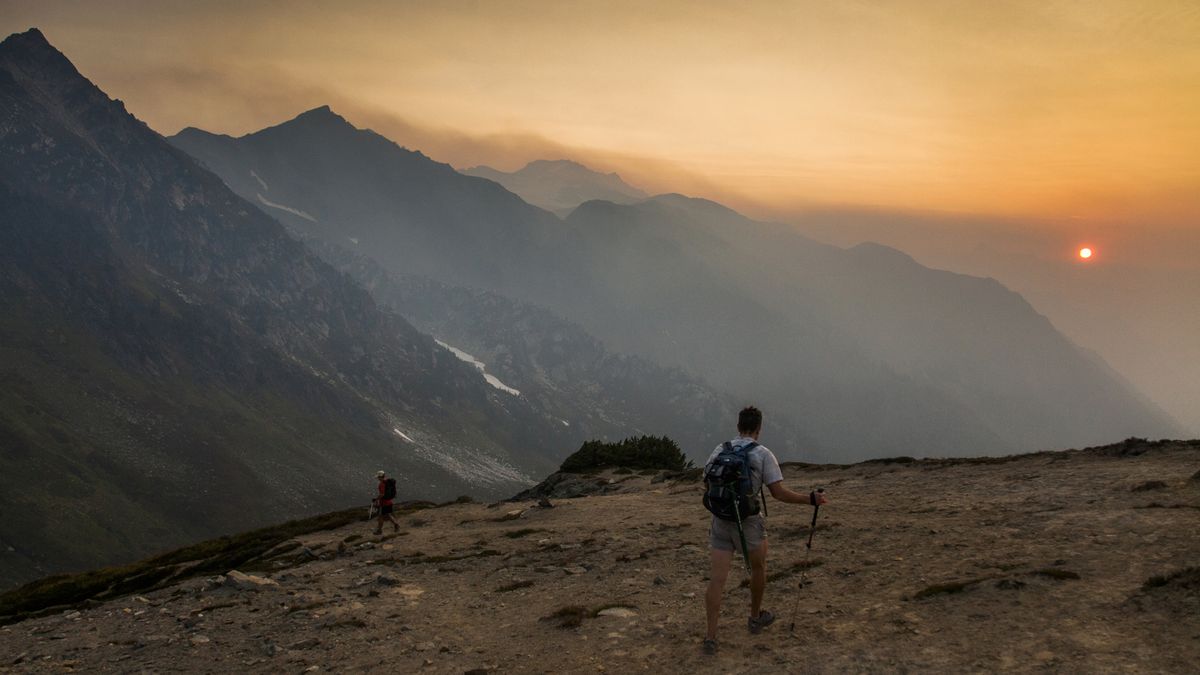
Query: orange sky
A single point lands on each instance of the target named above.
(1059, 111)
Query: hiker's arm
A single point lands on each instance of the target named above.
(778, 491)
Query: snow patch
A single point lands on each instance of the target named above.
(565, 423)
(261, 182)
(479, 365)
(281, 207)
(353, 240)
(403, 435)
(474, 467)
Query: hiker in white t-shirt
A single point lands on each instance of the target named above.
(725, 537)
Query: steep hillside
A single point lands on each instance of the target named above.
(175, 365)
(558, 366)
(1078, 561)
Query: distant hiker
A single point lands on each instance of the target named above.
(733, 480)
(387, 492)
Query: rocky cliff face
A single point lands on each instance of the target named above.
(175, 365)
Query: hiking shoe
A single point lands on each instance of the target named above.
(764, 619)
(709, 647)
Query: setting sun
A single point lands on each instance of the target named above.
(1085, 253)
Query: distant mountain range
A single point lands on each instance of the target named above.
(871, 352)
(561, 185)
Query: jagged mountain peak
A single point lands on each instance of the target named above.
(31, 53)
(29, 40)
(319, 119)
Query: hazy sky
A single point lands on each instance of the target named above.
(1060, 111)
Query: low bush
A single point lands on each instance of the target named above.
(642, 452)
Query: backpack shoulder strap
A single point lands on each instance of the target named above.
(749, 446)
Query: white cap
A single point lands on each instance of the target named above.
(379, 474)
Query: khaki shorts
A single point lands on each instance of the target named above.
(723, 535)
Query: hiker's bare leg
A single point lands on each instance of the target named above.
(758, 577)
(721, 561)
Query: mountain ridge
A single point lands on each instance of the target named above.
(560, 185)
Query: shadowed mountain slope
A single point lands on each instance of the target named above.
(175, 365)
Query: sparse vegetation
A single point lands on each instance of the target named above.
(794, 568)
(945, 589)
(525, 531)
(1188, 577)
(642, 452)
(514, 586)
(571, 616)
(209, 557)
(1056, 573)
(1150, 485)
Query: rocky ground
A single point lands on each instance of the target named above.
(1034, 563)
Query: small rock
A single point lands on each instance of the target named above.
(248, 582)
(72, 615)
(660, 581)
(512, 515)
(424, 646)
(575, 569)
(307, 643)
(200, 640)
(545, 504)
(620, 612)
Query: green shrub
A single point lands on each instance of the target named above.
(1056, 573)
(1185, 578)
(570, 616)
(642, 452)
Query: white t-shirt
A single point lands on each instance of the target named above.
(764, 468)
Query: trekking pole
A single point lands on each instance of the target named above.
(812, 529)
(741, 534)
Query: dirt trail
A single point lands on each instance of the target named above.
(961, 567)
